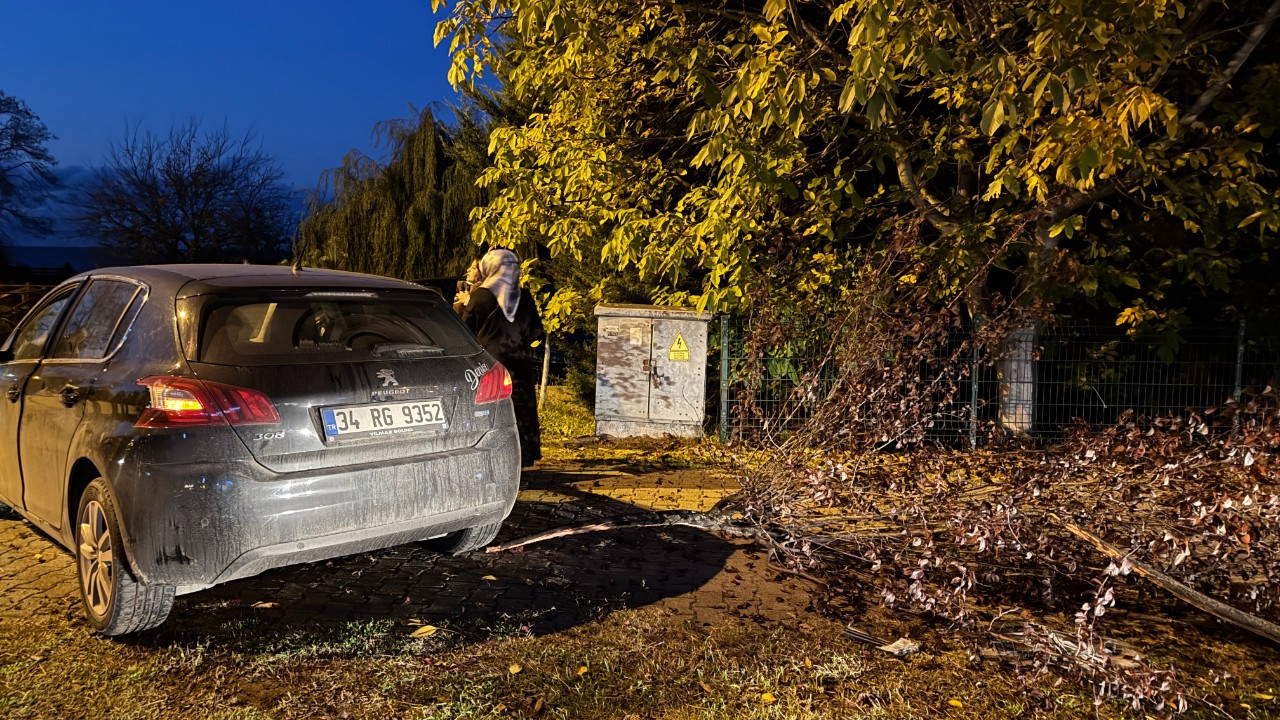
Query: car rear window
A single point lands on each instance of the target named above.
(321, 327)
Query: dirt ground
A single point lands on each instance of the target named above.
(635, 623)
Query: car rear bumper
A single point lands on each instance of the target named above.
(261, 559)
(195, 524)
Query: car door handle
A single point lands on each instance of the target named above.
(69, 396)
(13, 393)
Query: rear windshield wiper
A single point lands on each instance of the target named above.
(406, 350)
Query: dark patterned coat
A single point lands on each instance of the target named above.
(510, 343)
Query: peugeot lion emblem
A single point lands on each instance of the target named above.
(388, 378)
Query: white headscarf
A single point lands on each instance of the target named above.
(500, 273)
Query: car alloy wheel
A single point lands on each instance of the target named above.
(96, 558)
(114, 601)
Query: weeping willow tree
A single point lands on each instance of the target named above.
(409, 217)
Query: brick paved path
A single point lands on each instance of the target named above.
(545, 587)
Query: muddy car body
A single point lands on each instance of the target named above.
(177, 427)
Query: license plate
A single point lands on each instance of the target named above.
(376, 419)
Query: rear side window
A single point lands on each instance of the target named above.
(94, 328)
(320, 327)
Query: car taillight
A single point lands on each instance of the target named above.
(183, 402)
(494, 386)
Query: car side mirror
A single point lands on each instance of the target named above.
(6, 355)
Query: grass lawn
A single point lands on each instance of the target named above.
(642, 663)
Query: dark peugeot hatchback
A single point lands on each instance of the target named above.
(181, 426)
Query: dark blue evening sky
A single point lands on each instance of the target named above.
(310, 77)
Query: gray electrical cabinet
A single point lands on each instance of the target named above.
(651, 370)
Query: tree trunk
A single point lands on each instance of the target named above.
(1016, 368)
(1016, 373)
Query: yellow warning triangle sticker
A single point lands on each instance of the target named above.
(679, 351)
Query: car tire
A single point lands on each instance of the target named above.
(463, 541)
(114, 602)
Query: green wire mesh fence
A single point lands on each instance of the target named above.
(1080, 374)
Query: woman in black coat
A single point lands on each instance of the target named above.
(507, 324)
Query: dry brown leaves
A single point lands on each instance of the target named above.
(975, 537)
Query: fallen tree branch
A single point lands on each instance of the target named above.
(720, 524)
(1220, 610)
(803, 576)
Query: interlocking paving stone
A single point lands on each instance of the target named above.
(546, 586)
